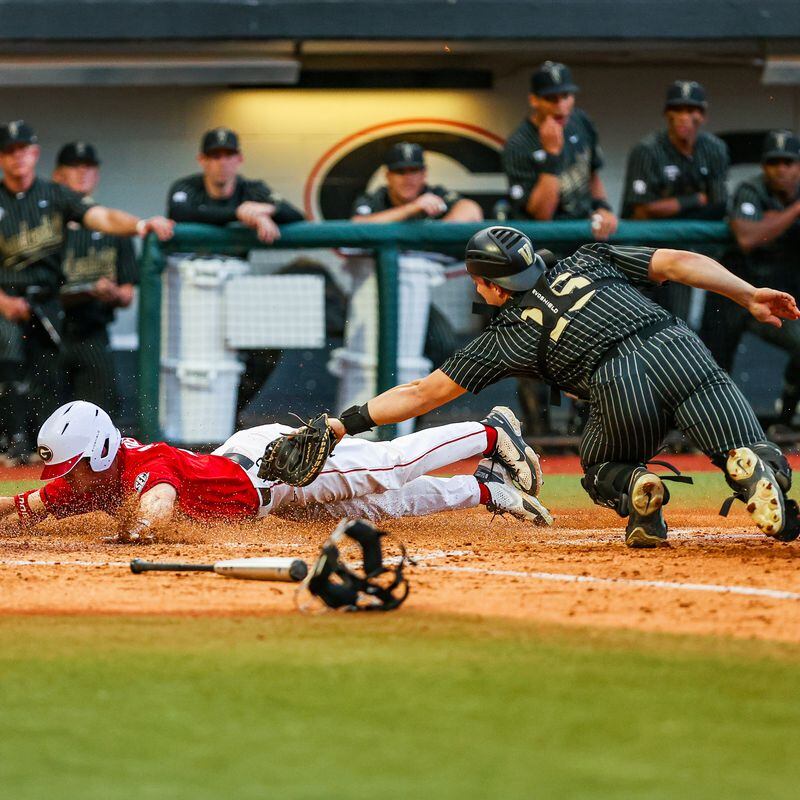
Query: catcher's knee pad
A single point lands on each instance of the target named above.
(609, 485)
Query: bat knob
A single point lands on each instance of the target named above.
(138, 565)
(298, 570)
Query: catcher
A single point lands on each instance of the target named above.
(90, 467)
(581, 325)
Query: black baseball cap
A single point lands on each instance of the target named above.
(781, 144)
(552, 77)
(74, 153)
(686, 93)
(405, 155)
(219, 139)
(17, 132)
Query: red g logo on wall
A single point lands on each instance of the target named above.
(344, 172)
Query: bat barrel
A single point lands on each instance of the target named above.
(139, 565)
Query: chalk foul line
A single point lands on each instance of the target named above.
(562, 577)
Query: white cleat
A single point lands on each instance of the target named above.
(506, 498)
(512, 451)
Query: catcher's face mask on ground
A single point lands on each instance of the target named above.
(354, 572)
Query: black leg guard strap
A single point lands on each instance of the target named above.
(607, 484)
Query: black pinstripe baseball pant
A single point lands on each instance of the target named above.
(655, 383)
(89, 369)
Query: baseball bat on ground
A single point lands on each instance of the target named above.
(252, 569)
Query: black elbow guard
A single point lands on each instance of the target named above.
(357, 420)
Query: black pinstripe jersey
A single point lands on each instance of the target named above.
(32, 229)
(88, 256)
(523, 159)
(777, 263)
(508, 346)
(188, 201)
(656, 171)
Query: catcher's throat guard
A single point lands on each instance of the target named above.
(341, 583)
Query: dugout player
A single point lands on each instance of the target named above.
(765, 219)
(219, 195)
(92, 468)
(678, 173)
(33, 216)
(553, 159)
(100, 272)
(581, 325)
(407, 195)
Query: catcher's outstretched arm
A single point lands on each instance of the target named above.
(409, 400)
(702, 272)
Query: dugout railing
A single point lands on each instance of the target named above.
(386, 242)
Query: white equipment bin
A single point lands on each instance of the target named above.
(211, 309)
(192, 308)
(198, 400)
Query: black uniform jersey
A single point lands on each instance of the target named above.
(509, 345)
(656, 171)
(88, 256)
(32, 230)
(188, 201)
(776, 264)
(373, 202)
(524, 159)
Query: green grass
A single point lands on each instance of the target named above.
(400, 706)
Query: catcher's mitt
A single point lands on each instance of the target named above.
(297, 458)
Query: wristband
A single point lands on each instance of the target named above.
(140, 226)
(24, 511)
(552, 164)
(357, 420)
(599, 203)
(689, 202)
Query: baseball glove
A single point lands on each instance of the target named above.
(298, 457)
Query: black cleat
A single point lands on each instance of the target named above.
(646, 526)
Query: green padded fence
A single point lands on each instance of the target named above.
(386, 241)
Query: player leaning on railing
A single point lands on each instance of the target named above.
(92, 468)
(581, 325)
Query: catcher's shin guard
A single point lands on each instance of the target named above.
(760, 477)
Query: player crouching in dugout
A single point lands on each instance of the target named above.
(90, 467)
(581, 325)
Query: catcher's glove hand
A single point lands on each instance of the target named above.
(297, 458)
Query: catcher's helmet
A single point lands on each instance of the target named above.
(504, 256)
(77, 430)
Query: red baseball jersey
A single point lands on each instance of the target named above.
(208, 487)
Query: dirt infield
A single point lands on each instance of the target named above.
(721, 579)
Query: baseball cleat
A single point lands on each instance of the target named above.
(506, 498)
(646, 526)
(755, 484)
(513, 452)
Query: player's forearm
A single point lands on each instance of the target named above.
(544, 197)
(700, 272)
(397, 214)
(464, 211)
(658, 209)
(413, 399)
(757, 233)
(157, 504)
(112, 221)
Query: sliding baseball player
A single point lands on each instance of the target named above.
(90, 467)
